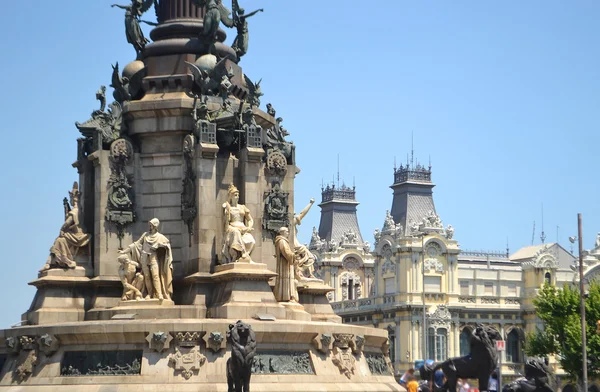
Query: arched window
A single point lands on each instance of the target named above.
(548, 278)
(513, 351)
(465, 341)
(437, 344)
(351, 286)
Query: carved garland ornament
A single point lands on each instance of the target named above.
(120, 207)
(188, 193)
(388, 267)
(434, 264)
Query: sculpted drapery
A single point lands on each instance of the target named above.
(153, 253)
(238, 243)
(285, 284)
(71, 236)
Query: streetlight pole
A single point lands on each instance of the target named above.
(423, 297)
(581, 295)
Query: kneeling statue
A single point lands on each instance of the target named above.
(133, 281)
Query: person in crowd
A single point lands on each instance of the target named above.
(493, 383)
(412, 385)
(406, 377)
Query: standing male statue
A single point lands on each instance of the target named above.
(153, 253)
(285, 283)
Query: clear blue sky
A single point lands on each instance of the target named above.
(503, 95)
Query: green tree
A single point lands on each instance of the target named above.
(560, 312)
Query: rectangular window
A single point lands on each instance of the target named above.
(433, 284)
(465, 288)
(390, 285)
(512, 290)
(488, 288)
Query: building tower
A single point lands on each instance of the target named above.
(413, 195)
(345, 260)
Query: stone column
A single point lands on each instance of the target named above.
(376, 275)
(413, 347)
(178, 9)
(398, 354)
(456, 334)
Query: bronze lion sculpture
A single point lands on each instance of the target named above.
(538, 378)
(243, 349)
(478, 364)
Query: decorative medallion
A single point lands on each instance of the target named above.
(48, 344)
(187, 360)
(188, 193)
(342, 354)
(276, 213)
(351, 263)
(386, 251)
(276, 163)
(12, 344)
(215, 341)
(433, 249)
(359, 344)
(159, 341)
(323, 342)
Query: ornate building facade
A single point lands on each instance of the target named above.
(345, 260)
(427, 292)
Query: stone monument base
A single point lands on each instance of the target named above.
(242, 291)
(313, 296)
(60, 296)
(148, 309)
(122, 356)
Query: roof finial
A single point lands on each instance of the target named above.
(412, 148)
(338, 171)
(543, 235)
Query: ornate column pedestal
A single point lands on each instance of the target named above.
(60, 297)
(313, 296)
(243, 291)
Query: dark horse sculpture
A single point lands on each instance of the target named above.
(479, 364)
(538, 378)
